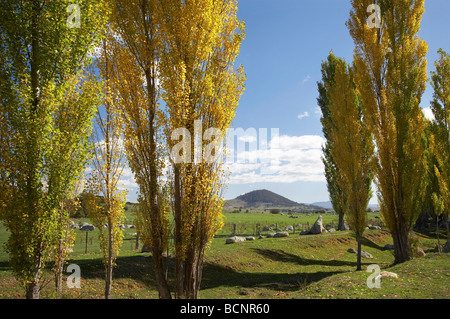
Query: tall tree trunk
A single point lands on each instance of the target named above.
(437, 233)
(109, 266)
(402, 249)
(340, 221)
(60, 254)
(178, 238)
(33, 288)
(358, 258)
(446, 227)
(161, 282)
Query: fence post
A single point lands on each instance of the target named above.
(234, 230)
(85, 249)
(136, 247)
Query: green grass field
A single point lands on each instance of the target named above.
(298, 266)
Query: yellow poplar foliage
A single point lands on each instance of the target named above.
(135, 50)
(202, 40)
(440, 139)
(352, 147)
(134, 47)
(391, 74)
(109, 161)
(200, 85)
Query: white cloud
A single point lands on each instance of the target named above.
(302, 115)
(428, 113)
(306, 79)
(289, 159)
(291, 143)
(127, 183)
(248, 138)
(318, 111)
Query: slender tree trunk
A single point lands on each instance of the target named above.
(189, 274)
(109, 266)
(446, 227)
(358, 258)
(178, 237)
(136, 247)
(59, 277)
(33, 288)
(59, 268)
(161, 282)
(60, 253)
(437, 233)
(340, 221)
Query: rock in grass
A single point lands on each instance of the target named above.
(365, 254)
(317, 228)
(387, 274)
(420, 252)
(234, 239)
(446, 247)
(281, 234)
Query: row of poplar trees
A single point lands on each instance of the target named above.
(106, 92)
(374, 126)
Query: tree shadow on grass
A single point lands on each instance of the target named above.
(4, 266)
(140, 268)
(215, 275)
(369, 243)
(280, 255)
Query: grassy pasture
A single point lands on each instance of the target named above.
(298, 266)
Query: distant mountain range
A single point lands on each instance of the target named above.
(264, 198)
(328, 205)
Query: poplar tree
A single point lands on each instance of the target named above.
(108, 164)
(201, 90)
(440, 139)
(391, 75)
(352, 150)
(337, 195)
(136, 47)
(46, 107)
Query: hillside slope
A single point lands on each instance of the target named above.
(265, 198)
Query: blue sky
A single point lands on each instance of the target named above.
(286, 42)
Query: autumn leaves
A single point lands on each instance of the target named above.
(161, 65)
(172, 66)
(380, 95)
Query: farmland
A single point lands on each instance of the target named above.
(298, 266)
